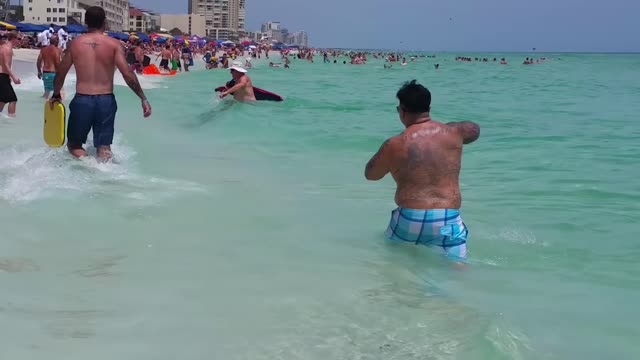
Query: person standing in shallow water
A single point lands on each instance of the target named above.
(425, 161)
(95, 58)
(47, 62)
(7, 94)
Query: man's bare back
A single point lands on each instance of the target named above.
(94, 58)
(425, 163)
(51, 58)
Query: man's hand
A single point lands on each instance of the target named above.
(54, 99)
(40, 75)
(16, 80)
(223, 95)
(146, 108)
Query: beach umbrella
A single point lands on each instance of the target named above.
(181, 40)
(7, 26)
(76, 29)
(117, 35)
(142, 36)
(245, 43)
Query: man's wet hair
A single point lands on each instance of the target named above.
(95, 17)
(414, 98)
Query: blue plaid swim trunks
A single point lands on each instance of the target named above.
(442, 228)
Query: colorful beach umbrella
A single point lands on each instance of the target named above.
(7, 26)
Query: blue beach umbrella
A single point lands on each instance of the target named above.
(76, 29)
(142, 36)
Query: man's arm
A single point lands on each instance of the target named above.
(379, 165)
(469, 130)
(129, 76)
(39, 63)
(61, 72)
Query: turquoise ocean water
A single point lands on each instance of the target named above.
(247, 231)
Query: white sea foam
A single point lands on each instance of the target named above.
(33, 173)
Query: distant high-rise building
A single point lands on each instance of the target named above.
(224, 19)
(271, 25)
(299, 38)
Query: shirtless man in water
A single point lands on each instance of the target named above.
(7, 94)
(95, 57)
(424, 160)
(166, 57)
(243, 88)
(48, 60)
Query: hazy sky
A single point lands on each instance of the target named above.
(475, 25)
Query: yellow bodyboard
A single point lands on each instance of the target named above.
(54, 124)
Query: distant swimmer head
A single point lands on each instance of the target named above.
(95, 18)
(415, 102)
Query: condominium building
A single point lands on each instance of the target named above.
(224, 19)
(117, 13)
(139, 21)
(55, 12)
(192, 24)
(64, 12)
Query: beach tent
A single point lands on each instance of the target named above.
(26, 27)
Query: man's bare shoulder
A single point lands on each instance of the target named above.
(396, 142)
(467, 130)
(94, 41)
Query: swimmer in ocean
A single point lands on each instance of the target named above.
(242, 90)
(425, 162)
